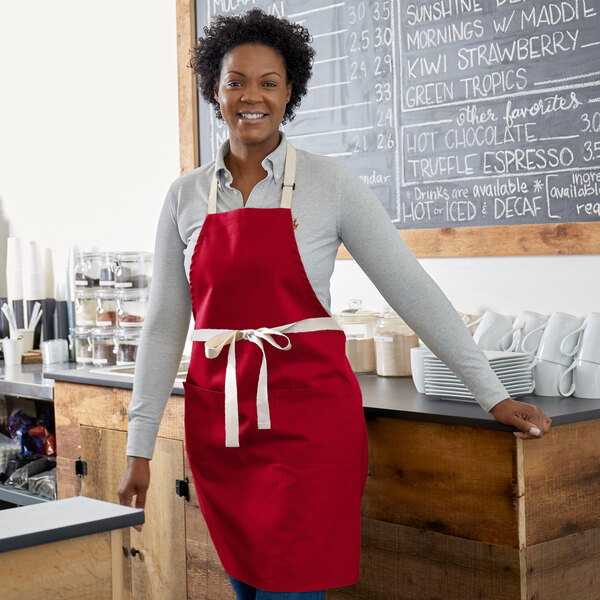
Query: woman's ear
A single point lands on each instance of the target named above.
(288, 92)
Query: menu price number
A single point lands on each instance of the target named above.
(385, 118)
(380, 11)
(591, 151)
(383, 92)
(382, 66)
(591, 122)
(384, 141)
(382, 36)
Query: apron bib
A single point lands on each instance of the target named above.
(275, 430)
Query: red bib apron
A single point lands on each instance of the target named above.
(275, 431)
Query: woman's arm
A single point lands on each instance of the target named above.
(369, 235)
(163, 335)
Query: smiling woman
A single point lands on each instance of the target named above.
(274, 426)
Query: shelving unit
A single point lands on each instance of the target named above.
(24, 381)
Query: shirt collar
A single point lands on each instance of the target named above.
(272, 163)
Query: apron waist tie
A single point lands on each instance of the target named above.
(217, 339)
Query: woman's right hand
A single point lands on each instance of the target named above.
(135, 482)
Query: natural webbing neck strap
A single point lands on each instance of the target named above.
(217, 339)
(289, 178)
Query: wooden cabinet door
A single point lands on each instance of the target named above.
(158, 569)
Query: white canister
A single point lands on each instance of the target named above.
(394, 340)
(358, 324)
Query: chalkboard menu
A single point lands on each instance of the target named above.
(457, 113)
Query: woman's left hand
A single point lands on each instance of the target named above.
(529, 419)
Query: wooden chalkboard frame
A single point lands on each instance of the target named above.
(506, 240)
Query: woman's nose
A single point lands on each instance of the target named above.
(251, 94)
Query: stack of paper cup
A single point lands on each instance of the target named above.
(586, 366)
(48, 302)
(34, 277)
(14, 277)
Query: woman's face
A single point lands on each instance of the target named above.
(253, 92)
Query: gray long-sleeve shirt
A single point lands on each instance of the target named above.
(331, 205)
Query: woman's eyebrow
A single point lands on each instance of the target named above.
(263, 75)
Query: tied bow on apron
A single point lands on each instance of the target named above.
(216, 339)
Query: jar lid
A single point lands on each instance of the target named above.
(85, 294)
(137, 255)
(88, 255)
(81, 331)
(131, 293)
(131, 334)
(389, 313)
(355, 312)
(104, 332)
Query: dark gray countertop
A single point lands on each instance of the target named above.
(36, 524)
(389, 397)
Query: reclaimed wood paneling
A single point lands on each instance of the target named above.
(441, 478)
(507, 240)
(566, 568)
(562, 482)
(71, 569)
(403, 563)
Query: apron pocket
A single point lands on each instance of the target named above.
(320, 424)
(204, 419)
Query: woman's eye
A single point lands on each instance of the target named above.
(233, 83)
(270, 84)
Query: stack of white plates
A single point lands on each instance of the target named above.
(514, 369)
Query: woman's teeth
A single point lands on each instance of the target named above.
(251, 115)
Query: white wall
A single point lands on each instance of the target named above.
(88, 121)
(89, 146)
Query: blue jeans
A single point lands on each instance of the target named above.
(243, 591)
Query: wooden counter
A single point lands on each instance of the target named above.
(455, 507)
(64, 550)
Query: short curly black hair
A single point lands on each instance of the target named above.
(290, 40)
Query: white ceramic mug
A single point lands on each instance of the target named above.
(527, 326)
(491, 327)
(417, 366)
(13, 350)
(559, 338)
(585, 380)
(547, 377)
(471, 321)
(588, 345)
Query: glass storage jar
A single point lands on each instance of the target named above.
(103, 346)
(358, 324)
(108, 264)
(393, 341)
(133, 270)
(106, 308)
(85, 308)
(131, 307)
(126, 342)
(81, 340)
(87, 270)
